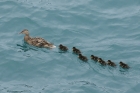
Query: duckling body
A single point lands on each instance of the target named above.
(110, 63)
(62, 47)
(76, 51)
(123, 65)
(36, 41)
(84, 58)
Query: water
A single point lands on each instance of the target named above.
(108, 29)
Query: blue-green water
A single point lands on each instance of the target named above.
(109, 29)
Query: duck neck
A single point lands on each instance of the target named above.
(26, 37)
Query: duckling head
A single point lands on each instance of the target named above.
(74, 48)
(109, 60)
(121, 63)
(92, 56)
(60, 45)
(80, 55)
(24, 31)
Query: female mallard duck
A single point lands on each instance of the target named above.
(94, 57)
(36, 41)
(62, 47)
(84, 58)
(75, 50)
(110, 63)
(123, 65)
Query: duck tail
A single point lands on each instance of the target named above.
(49, 46)
(53, 46)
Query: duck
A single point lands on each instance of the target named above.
(94, 57)
(124, 65)
(36, 41)
(62, 47)
(110, 63)
(84, 58)
(76, 51)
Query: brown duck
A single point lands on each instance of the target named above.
(36, 41)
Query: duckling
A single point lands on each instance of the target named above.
(101, 61)
(75, 50)
(94, 57)
(123, 65)
(36, 41)
(84, 58)
(110, 63)
(62, 47)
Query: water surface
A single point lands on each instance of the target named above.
(108, 29)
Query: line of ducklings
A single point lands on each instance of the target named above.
(93, 57)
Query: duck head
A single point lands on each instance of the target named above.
(24, 31)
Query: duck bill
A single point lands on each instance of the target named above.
(21, 32)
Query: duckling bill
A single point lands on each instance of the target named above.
(76, 51)
(36, 41)
(62, 47)
(123, 65)
(83, 58)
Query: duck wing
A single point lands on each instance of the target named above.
(40, 40)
